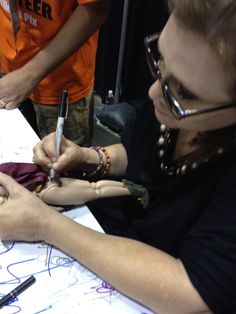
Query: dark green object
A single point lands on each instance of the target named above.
(139, 192)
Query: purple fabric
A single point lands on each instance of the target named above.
(28, 175)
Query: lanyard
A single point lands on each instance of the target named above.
(14, 16)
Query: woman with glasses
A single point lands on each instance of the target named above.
(172, 246)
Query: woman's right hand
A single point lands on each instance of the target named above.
(45, 154)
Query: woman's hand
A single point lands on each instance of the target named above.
(23, 214)
(73, 156)
(45, 154)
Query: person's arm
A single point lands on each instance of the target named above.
(143, 273)
(18, 85)
(74, 157)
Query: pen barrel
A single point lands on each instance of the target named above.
(63, 108)
(59, 132)
(6, 299)
(62, 115)
(26, 284)
(14, 293)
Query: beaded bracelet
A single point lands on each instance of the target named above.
(103, 168)
(99, 169)
(107, 165)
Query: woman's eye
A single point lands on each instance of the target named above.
(184, 94)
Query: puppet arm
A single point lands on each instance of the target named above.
(75, 191)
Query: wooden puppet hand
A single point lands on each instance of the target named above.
(74, 191)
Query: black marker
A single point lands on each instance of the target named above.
(62, 115)
(18, 290)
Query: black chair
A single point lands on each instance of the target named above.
(116, 117)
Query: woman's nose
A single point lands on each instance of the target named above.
(155, 91)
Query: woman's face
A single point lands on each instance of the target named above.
(195, 76)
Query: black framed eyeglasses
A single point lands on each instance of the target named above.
(174, 105)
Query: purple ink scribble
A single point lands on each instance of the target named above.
(103, 291)
(104, 288)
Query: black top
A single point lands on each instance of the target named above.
(191, 216)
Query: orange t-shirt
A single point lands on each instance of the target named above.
(39, 22)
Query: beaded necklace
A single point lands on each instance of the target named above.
(185, 163)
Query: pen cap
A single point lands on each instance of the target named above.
(63, 107)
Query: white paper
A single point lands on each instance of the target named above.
(17, 138)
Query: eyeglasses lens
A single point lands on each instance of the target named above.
(153, 57)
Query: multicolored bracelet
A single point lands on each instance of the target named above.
(107, 165)
(99, 169)
(103, 167)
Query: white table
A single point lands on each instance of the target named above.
(62, 284)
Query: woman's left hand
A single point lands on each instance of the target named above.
(22, 214)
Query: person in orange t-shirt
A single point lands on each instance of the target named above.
(47, 46)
